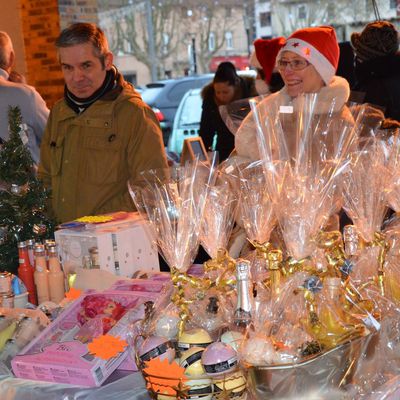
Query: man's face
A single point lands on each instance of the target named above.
(82, 69)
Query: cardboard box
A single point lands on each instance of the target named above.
(123, 247)
(57, 356)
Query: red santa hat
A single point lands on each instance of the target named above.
(264, 55)
(318, 46)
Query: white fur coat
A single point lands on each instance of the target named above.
(331, 98)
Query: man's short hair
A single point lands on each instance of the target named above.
(81, 33)
(6, 48)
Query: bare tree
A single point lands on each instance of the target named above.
(208, 23)
(176, 25)
(131, 32)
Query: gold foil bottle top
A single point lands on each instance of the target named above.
(351, 239)
(39, 249)
(52, 250)
(274, 259)
(242, 269)
(332, 287)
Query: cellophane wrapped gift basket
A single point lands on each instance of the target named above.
(309, 309)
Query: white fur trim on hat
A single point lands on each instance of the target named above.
(253, 62)
(312, 55)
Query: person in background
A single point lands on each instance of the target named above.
(100, 135)
(377, 66)
(16, 77)
(263, 59)
(307, 62)
(226, 87)
(33, 108)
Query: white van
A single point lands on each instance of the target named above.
(187, 120)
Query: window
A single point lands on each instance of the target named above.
(130, 77)
(265, 19)
(229, 40)
(393, 4)
(127, 46)
(176, 93)
(331, 11)
(211, 41)
(228, 12)
(165, 43)
(302, 12)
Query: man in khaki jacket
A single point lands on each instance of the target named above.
(100, 135)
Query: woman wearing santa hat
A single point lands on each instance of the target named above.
(307, 62)
(263, 59)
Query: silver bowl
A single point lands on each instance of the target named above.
(323, 372)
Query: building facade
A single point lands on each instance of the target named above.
(282, 17)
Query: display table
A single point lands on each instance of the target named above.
(130, 386)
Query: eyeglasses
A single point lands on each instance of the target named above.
(295, 65)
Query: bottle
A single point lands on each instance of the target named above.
(9, 351)
(30, 244)
(5, 282)
(94, 257)
(213, 317)
(41, 274)
(48, 243)
(25, 272)
(28, 329)
(56, 276)
(335, 324)
(274, 262)
(350, 238)
(242, 316)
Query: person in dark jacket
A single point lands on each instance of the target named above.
(377, 66)
(226, 87)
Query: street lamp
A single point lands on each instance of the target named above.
(192, 54)
(194, 59)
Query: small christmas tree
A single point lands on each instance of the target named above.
(23, 198)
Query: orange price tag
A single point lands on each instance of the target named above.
(73, 294)
(107, 346)
(163, 377)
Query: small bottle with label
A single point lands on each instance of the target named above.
(25, 272)
(41, 274)
(243, 313)
(56, 276)
(5, 282)
(94, 257)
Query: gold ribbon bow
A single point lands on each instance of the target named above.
(180, 281)
(224, 265)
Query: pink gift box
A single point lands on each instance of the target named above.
(56, 356)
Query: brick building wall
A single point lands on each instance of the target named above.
(40, 28)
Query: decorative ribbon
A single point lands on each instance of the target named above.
(291, 265)
(180, 280)
(380, 241)
(274, 265)
(262, 249)
(331, 243)
(224, 265)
